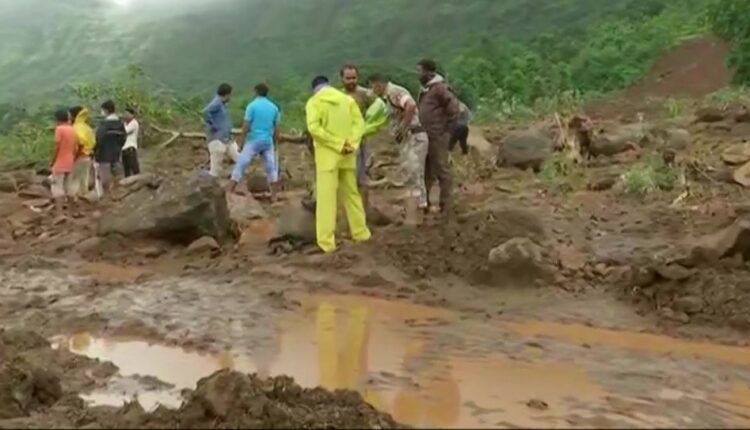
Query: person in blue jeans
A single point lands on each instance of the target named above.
(259, 135)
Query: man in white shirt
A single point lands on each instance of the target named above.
(130, 149)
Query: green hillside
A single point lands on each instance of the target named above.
(48, 45)
(506, 58)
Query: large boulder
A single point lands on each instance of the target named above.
(244, 208)
(736, 154)
(525, 151)
(728, 242)
(617, 140)
(177, 212)
(25, 389)
(11, 182)
(296, 222)
(520, 260)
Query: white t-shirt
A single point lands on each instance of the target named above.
(132, 128)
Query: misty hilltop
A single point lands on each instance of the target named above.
(192, 44)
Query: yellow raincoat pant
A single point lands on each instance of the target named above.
(334, 119)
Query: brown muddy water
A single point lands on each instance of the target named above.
(430, 368)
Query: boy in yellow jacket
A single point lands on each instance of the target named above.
(336, 125)
(86, 141)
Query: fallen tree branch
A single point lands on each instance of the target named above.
(176, 134)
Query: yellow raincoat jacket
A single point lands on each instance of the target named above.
(334, 119)
(84, 132)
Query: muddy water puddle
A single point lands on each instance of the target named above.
(429, 369)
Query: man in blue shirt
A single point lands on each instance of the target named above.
(261, 122)
(219, 130)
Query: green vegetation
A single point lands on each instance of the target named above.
(506, 59)
(730, 19)
(560, 174)
(650, 175)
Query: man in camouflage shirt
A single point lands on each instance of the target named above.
(407, 130)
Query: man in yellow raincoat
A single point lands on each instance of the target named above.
(336, 125)
(86, 141)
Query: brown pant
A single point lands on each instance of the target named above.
(437, 168)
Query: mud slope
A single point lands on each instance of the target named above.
(691, 70)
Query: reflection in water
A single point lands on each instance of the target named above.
(434, 401)
(374, 346)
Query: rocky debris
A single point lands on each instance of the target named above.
(609, 145)
(89, 245)
(732, 240)
(537, 404)
(12, 182)
(296, 222)
(736, 154)
(229, 399)
(35, 192)
(604, 180)
(136, 182)
(742, 175)
(674, 272)
(376, 217)
(257, 184)
(479, 147)
(203, 245)
(690, 305)
(570, 258)
(669, 314)
(519, 260)
(701, 280)
(710, 115)
(8, 184)
(677, 138)
(25, 388)
(244, 208)
(178, 212)
(525, 151)
(742, 115)
(459, 246)
(151, 251)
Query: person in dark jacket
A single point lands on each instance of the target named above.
(110, 138)
(438, 112)
(461, 133)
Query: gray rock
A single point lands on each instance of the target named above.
(35, 192)
(142, 180)
(203, 245)
(295, 222)
(525, 151)
(710, 115)
(244, 208)
(690, 305)
(733, 240)
(674, 272)
(89, 245)
(519, 260)
(177, 212)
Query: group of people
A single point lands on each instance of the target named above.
(339, 123)
(108, 152)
